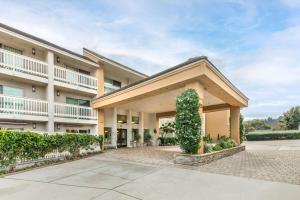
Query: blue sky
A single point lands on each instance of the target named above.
(256, 44)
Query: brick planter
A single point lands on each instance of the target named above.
(202, 159)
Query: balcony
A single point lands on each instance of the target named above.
(19, 65)
(37, 110)
(72, 79)
(72, 113)
(22, 108)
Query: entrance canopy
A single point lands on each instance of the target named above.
(157, 93)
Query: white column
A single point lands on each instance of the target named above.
(50, 92)
(129, 128)
(141, 127)
(114, 130)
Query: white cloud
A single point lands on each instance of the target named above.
(142, 34)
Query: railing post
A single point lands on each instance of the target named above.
(77, 112)
(14, 105)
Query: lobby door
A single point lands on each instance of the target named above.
(122, 138)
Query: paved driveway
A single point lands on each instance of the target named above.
(116, 175)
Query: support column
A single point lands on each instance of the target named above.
(157, 125)
(100, 92)
(129, 129)
(235, 123)
(50, 92)
(114, 129)
(200, 90)
(100, 79)
(101, 122)
(141, 127)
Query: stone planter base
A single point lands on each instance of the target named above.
(202, 159)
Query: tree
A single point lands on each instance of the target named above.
(188, 121)
(256, 124)
(291, 119)
(167, 128)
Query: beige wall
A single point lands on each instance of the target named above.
(149, 118)
(40, 127)
(217, 123)
(27, 89)
(63, 94)
(26, 48)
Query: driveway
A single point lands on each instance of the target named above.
(117, 175)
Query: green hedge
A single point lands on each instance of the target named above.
(273, 135)
(15, 145)
(168, 140)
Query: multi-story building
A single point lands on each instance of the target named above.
(46, 88)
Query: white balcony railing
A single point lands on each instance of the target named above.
(75, 112)
(71, 77)
(23, 64)
(23, 106)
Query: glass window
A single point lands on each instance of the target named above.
(122, 119)
(11, 49)
(117, 83)
(77, 102)
(135, 120)
(111, 85)
(11, 91)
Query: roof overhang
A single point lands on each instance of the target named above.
(114, 63)
(197, 69)
(45, 44)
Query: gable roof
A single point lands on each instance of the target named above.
(9, 28)
(181, 65)
(115, 62)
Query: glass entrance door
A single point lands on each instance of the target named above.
(122, 138)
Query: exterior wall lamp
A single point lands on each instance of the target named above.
(33, 51)
(57, 93)
(34, 125)
(33, 88)
(58, 59)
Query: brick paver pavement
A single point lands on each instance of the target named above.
(148, 155)
(270, 165)
(280, 166)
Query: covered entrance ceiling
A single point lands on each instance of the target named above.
(165, 102)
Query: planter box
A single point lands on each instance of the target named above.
(202, 159)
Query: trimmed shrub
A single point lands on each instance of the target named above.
(168, 141)
(208, 147)
(188, 121)
(273, 135)
(226, 143)
(217, 148)
(16, 145)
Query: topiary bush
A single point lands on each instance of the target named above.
(16, 145)
(188, 121)
(168, 141)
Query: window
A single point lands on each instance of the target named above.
(78, 102)
(11, 91)
(11, 49)
(111, 85)
(122, 119)
(135, 120)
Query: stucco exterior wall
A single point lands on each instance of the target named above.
(217, 123)
(40, 92)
